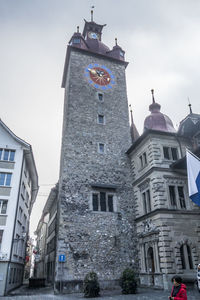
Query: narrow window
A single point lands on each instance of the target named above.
(145, 158)
(189, 257)
(148, 200)
(144, 202)
(1, 236)
(141, 161)
(3, 206)
(174, 153)
(110, 203)
(100, 96)
(12, 155)
(6, 154)
(2, 178)
(1, 153)
(166, 152)
(182, 257)
(95, 202)
(181, 197)
(101, 148)
(172, 195)
(103, 201)
(100, 119)
(8, 179)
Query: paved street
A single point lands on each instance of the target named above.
(143, 294)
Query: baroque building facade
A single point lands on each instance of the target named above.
(167, 221)
(122, 198)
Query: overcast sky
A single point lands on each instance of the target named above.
(161, 40)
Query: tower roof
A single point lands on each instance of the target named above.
(157, 120)
(91, 40)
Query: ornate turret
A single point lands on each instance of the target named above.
(157, 120)
(190, 125)
(91, 38)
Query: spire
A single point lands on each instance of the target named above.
(190, 106)
(115, 41)
(134, 133)
(154, 107)
(92, 15)
(77, 29)
(152, 92)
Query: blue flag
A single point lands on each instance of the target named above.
(193, 173)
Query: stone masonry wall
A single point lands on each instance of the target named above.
(103, 242)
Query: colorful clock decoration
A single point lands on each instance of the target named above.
(99, 76)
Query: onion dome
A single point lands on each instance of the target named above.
(157, 120)
(190, 125)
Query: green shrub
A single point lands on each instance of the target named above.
(128, 282)
(91, 285)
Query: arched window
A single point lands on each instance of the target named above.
(189, 257)
(186, 257)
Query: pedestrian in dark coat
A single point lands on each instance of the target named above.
(178, 289)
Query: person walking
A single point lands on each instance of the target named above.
(178, 290)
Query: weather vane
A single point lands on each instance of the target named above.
(92, 7)
(190, 105)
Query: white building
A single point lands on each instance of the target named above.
(18, 191)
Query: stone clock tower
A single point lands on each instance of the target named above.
(95, 228)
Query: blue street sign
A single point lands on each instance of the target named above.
(62, 258)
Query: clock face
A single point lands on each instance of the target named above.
(93, 35)
(99, 76)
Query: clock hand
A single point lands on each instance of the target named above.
(92, 71)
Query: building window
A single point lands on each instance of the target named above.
(76, 41)
(3, 206)
(170, 153)
(101, 148)
(102, 202)
(100, 96)
(121, 54)
(143, 160)
(172, 195)
(181, 197)
(146, 201)
(5, 179)
(177, 196)
(186, 257)
(101, 119)
(1, 237)
(23, 191)
(7, 155)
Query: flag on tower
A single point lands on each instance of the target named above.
(193, 173)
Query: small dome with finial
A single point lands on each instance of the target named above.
(157, 120)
